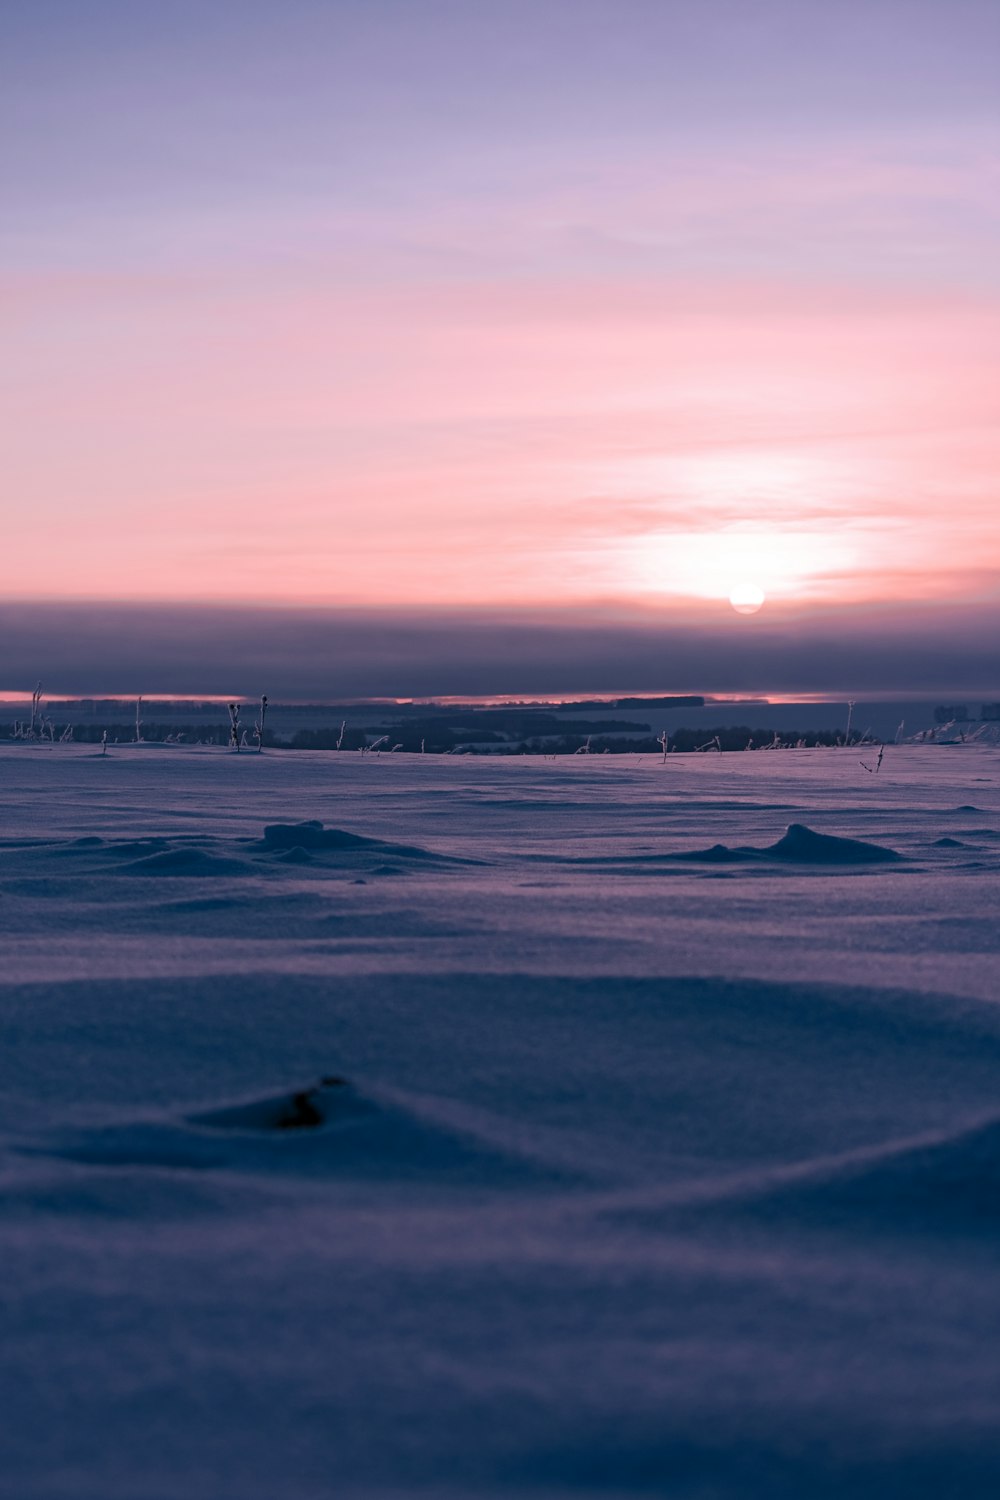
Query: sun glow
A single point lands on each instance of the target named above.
(775, 564)
(778, 518)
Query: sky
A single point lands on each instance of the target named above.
(570, 312)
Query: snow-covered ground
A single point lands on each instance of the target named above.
(640, 1167)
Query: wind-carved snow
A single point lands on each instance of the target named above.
(490, 1127)
(802, 845)
(330, 1128)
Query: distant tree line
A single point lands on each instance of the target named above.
(958, 713)
(551, 737)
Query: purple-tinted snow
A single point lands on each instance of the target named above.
(384, 1126)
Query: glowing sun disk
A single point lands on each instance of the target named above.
(746, 598)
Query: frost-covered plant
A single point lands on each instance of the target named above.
(258, 728)
(35, 727)
(138, 720)
(234, 727)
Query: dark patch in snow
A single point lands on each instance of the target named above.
(302, 1109)
(326, 1128)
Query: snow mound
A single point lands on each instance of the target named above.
(185, 862)
(329, 1128)
(302, 1109)
(296, 855)
(943, 1183)
(312, 835)
(801, 845)
(298, 842)
(800, 842)
(937, 1183)
(138, 848)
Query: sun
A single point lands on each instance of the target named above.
(746, 598)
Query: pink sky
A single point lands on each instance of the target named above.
(614, 352)
(478, 442)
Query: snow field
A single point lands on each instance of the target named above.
(383, 1126)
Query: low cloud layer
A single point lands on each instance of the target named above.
(102, 649)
